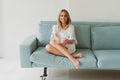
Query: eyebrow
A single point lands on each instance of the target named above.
(62, 15)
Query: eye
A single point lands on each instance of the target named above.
(61, 15)
(65, 15)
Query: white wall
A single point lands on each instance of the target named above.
(0, 28)
(20, 17)
(95, 10)
(1, 32)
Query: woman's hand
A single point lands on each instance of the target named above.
(67, 42)
(56, 38)
(57, 41)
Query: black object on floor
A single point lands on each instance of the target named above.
(43, 77)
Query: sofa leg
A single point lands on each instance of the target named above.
(43, 77)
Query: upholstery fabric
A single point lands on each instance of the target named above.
(43, 34)
(40, 56)
(99, 42)
(106, 37)
(108, 59)
(26, 49)
(83, 36)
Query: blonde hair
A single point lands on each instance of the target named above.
(68, 19)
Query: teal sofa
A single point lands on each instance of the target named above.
(98, 41)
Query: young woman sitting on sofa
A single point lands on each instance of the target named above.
(63, 40)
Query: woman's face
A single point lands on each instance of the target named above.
(63, 18)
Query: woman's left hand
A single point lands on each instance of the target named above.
(67, 42)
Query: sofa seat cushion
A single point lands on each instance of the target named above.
(41, 57)
(108, 59)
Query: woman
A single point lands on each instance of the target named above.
(63, 39)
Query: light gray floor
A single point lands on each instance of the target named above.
(10, 70)
(58, 74)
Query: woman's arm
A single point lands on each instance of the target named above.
(54, 35)
(68, 41)
(56, 38)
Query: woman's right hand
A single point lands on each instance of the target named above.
(57, 41)
(56, 38)
(64, 42)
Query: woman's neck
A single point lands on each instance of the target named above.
(63, 26)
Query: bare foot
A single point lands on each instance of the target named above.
(76, 63)
(78, 55)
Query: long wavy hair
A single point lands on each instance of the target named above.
(68, 20)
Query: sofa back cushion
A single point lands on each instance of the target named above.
(83, 36)
(105, 37)
(82, 33)
(43, 34)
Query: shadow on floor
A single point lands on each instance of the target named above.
(94, 74)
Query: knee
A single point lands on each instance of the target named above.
(53, 43)
(48, 47)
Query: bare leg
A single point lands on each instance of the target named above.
(53, 50)
(78, 55)
(65, 52)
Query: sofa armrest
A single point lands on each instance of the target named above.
(26, 49)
